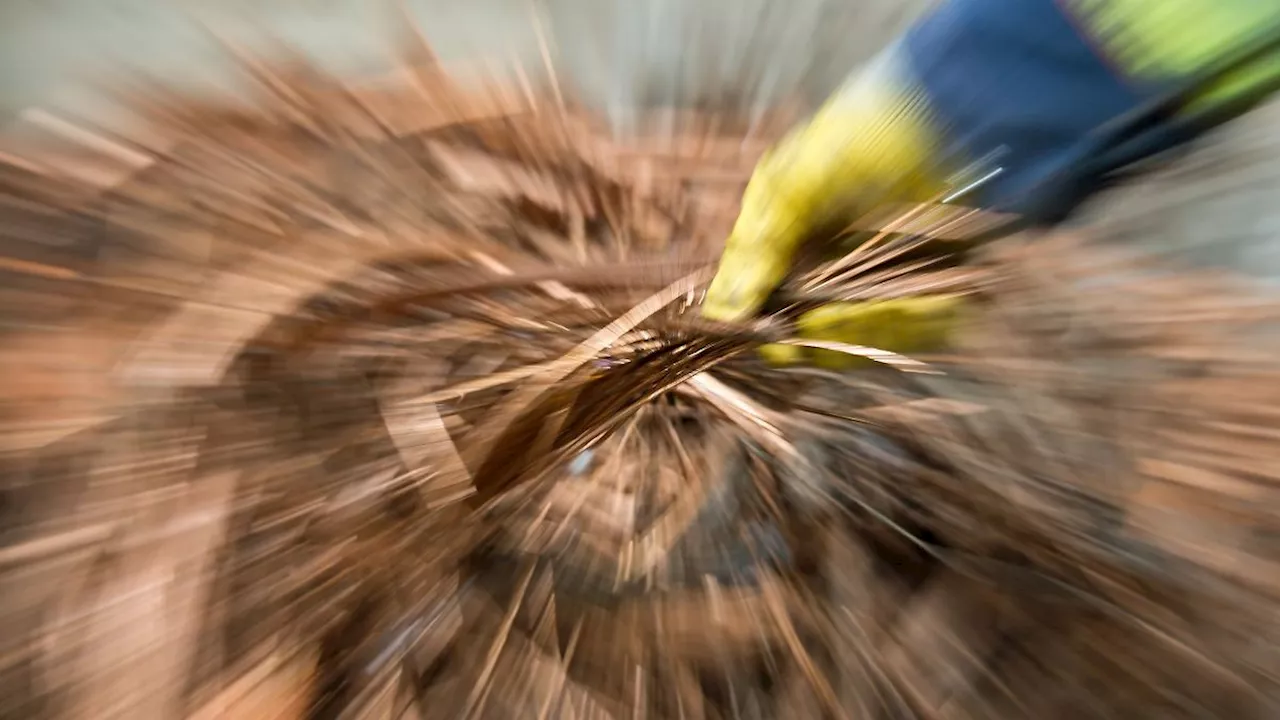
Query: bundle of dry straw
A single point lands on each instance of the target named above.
(394, 403)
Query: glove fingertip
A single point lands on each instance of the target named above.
(722, 312)
(780, 355)
(732, 298)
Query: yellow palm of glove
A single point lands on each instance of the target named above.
(903, 325)
(870, 143)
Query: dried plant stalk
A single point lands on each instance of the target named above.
(395, 403)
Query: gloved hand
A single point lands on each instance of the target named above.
(870, 143)
(1028, 81)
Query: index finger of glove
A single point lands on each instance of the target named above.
(748, 273)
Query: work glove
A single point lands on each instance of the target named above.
(870, 143)
(1027, 82)
(906, 326)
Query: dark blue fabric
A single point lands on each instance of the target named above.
(1017, 79)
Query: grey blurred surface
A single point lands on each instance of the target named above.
(615, 53)
(1215, 206)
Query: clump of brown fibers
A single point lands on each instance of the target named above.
(395, 403)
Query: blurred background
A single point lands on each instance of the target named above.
(615, 53)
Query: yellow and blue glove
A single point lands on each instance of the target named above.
(1026, 82)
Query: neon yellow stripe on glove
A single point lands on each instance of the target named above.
(1166, 39)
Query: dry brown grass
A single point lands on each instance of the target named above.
(395, 404)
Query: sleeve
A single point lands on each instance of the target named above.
(1032, 83)
(1026, 87)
